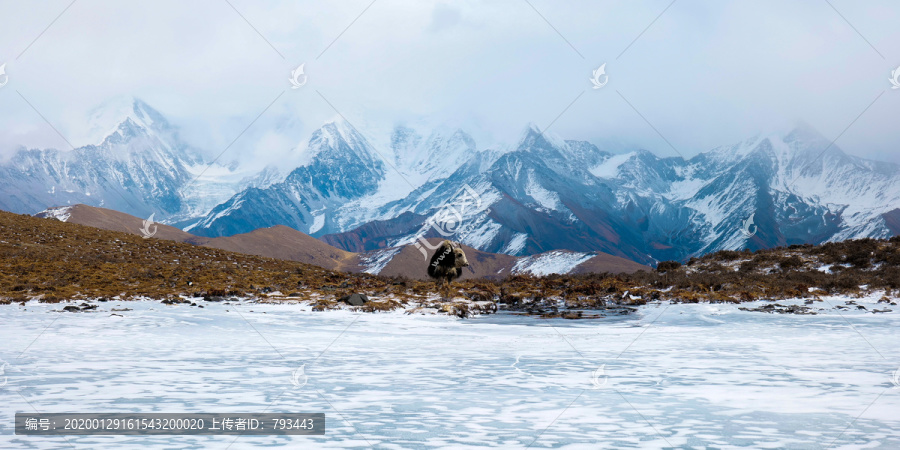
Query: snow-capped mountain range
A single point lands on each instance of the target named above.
(138, 164)
(541, 194)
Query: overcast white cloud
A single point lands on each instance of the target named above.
(704, 74)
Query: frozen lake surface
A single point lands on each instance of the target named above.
(670, 376)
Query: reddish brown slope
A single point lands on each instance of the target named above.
(287, 243)
(276, 242)
(111, 220)
(604, 262)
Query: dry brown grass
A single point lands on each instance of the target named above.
(52, 261)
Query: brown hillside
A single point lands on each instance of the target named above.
(276, 242)
(112, 220)
(51, 260)
(606, 263)
(287, 243)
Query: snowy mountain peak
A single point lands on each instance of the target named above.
(533, 139)
(123, 117)
(405, 143)
(339, 134)
(805, 138)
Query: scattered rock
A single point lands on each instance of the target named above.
(173, 301)
(573, 315)
(80, 308)
(479, 296)
(460, 310)
(782, 309)
(355, 299)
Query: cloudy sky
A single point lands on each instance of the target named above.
(693, 74)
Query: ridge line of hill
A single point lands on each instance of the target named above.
(286, 243)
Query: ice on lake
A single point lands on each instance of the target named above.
(670, 376)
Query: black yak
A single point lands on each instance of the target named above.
(447, 262)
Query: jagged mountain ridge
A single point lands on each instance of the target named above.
(539, 195)
(547, 194)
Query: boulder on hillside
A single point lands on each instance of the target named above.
(355, 299)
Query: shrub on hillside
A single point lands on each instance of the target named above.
(790, 262)
(748, 266)
(727, 255)
(668, 266)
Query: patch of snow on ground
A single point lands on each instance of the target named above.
(556, 261)
(318, 223)
(516, 244)
(610, 167)
(375, 263)
(61, 213)
(545, 198)
(482, 235)
(237, 204)
(684, 189)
